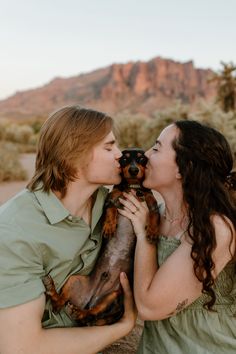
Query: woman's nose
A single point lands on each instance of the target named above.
(147, 153)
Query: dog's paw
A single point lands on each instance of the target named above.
(49, 284)
(152, 235)
(74, 312)
(108, 230)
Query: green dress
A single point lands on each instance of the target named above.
(195, 330)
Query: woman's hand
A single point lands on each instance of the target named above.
(136, 211)
(130, 314)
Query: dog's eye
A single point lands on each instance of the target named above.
(143, 160)
(123, 161)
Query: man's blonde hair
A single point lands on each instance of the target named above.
(66, 138)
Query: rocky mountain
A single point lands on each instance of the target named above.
(137, 87)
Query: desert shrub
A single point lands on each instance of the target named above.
(30, 147)
(22, 135)
(10, 166)
(18, 133)
(3, 126)
(130, 129)
(142, 132)
(36, 125)
(161, 119)
(214, 116)
(35, 122)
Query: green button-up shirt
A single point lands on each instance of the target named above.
(38, 236)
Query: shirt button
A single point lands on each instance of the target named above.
(70, 217)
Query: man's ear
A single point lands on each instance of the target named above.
(78, 173)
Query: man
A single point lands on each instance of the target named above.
(53, 227)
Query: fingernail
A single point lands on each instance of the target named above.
(123, 274)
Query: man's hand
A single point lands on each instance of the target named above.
(130, 314)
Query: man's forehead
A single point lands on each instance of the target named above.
(109, 138)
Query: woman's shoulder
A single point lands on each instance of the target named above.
(225, 240)
(224, 228)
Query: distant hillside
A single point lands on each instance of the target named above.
(136, 87)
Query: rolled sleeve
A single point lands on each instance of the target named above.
(21, 293)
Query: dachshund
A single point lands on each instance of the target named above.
(97, 299)
(132, 162)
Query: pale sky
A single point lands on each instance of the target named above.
(43, 39)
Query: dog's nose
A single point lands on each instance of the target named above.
(133, 171)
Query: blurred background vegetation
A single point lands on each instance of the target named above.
(220, 114)
(15, 139)
(134, 130)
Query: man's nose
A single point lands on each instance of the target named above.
(118, 153)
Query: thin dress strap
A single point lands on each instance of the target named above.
(180, 234)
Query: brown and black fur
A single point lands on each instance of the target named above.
(97, 299)
(133, 162)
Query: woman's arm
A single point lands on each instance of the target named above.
(162, 292)
(21, 331)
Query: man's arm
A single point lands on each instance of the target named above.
(21, 331)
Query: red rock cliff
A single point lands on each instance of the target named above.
(135, 86)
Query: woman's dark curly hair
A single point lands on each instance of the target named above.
(205, 163)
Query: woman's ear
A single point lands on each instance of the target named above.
(178, 175)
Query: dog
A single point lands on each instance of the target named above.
(132, 162)
(97, 299)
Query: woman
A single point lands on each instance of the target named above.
(187, 295)
(54, 227)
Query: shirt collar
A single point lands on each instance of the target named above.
(52, 207)
(56, 212)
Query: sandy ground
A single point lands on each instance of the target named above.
(127, 345)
